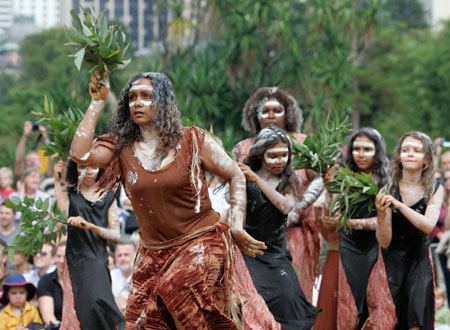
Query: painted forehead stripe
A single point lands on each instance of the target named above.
(412, 144)
(363, 144)
(277, 150)
(272, 103)
(141, 87)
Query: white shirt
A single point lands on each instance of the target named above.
(119, 283)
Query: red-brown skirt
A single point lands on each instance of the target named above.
(189, 281)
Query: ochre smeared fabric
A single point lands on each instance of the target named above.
(190, 280)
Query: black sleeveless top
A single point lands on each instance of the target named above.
(266, 223)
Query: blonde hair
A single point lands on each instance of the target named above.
(428, 180)
(7, 171)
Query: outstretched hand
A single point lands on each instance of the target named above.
(382, 203)
(97, 90)
(248, 244)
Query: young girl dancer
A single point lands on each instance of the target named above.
(404, 230)
(272, 191)
(92, 221)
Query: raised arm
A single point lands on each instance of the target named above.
(111, 234)
(20, 151)
(427, 221)
(284, 203)
(215, 160)
(83, 149)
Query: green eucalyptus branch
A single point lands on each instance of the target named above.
(354, 194)
(319, 151)
(38, 224)
(100, 45)
(61, 128)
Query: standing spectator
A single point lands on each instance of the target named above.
(32, 158)
(50, 292)
(8, 230)
(121, 276)
(18, 312)
(43, 264)
(28, 186)
(4, 270)
(21, 263)
(6, 181)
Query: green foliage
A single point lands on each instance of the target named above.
(319, 151)
(354, 194)
(38, 225)
(62, 128)
(101, 46)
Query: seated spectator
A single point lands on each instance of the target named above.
(43, 263)
(50, 292)
(21, 263)
(442, 311)
(8, 230)
(4, 270)
(19, 312)
(6, 181)
(120, 277)
(28, 186)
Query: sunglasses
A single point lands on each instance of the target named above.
(42, 253)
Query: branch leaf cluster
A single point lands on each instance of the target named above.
(61, 128)
(354, 194)
(100, 45)
(319, 151)
(38, 224)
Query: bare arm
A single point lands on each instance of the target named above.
(427, 221)
(283, 203)
(62, 197)
(83, 149)
(215, 160)
(384, 220)
(111, 234)
(20, 151)
(364, 224)
(46, 308)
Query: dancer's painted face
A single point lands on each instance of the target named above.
(363, 153)
(140, 98)
(412, 154)
(272, 113)
(276, 158)
(87, 175)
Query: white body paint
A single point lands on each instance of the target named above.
(412, 144)
(141, 88)
(367, 153)
(415, 154)
(147, 153)
(275, 160)
(363, 144)
(132, 177)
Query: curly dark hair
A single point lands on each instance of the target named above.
(72, 173)
(293, 118)
(380, 164)
(167, 120)
(265, 139)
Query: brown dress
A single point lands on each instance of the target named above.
(183, 265)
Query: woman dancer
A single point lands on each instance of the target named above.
(182, 274)
(404, 231)
(273, 106)
(272, 189)
(92, 221)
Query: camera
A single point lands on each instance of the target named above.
(35, 126)
(445, 144)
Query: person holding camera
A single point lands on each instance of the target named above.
(31, 159)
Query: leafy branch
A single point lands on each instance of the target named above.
(354, 194)
(101, 45)
(38, 224)
(319, 151)
(62, 128)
